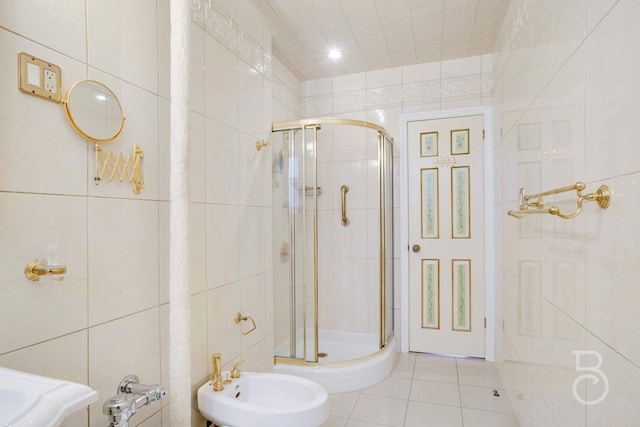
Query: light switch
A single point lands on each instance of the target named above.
(33, 74)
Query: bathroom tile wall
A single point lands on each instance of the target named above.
(565, 80)
(109, 317)
(379, 97)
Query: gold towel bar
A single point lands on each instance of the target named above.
(602, 196)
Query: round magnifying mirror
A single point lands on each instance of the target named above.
(94, 111)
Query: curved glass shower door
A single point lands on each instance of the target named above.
(333, 240)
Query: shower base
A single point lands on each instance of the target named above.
(353, 361)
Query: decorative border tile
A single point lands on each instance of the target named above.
(421, 92)
(462, 87)
(349, 101)
(316, 105)
(223, 28)
(281, 93)
(384, 96)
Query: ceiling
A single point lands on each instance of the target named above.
(377, 34)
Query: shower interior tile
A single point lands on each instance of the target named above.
(352, 173)
(349, 142)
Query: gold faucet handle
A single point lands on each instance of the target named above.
(235, 371)
(218, 384)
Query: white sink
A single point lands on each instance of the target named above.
(265, 400)
(32, 400)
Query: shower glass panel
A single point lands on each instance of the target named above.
(293, 168)
(333, 279)
(388, 253)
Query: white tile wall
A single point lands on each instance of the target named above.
(109, 317)
(566, 69)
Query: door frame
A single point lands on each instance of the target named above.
(489, 243)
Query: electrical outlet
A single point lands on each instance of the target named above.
(39, 78)
(50, 83)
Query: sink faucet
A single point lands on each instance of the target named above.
(131, 396)
(216, 378)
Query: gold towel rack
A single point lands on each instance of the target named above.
(602, 196)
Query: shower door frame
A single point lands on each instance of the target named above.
(383, 137)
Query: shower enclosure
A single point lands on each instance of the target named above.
(333, 251)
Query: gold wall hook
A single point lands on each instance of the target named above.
(260, 144)
(602, 197)
(240, 318)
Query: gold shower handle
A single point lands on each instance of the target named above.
(344, 189)
(240, 318)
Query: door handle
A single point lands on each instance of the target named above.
(415, 248)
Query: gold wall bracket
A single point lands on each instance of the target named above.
(33, 272)
(110, 166)
(602, 197)
(240, 318)
(260, 144)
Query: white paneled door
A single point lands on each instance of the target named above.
(446, 236)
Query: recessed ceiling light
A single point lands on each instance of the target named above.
(335, 54)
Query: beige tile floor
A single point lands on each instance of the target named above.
(423, 391)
